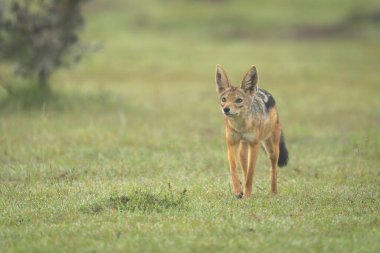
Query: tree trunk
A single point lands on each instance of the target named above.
(43, 84)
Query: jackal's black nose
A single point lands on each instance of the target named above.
(226, 110)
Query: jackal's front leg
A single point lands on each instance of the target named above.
(243, 156)
(232, 148)
(253, 154)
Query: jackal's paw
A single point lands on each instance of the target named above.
(247, 195)
(239, 195)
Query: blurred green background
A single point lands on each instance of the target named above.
(142, 113)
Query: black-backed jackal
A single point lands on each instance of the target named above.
(251, 119)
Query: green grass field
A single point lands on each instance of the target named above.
(129, 155)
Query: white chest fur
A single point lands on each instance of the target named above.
(249, 136)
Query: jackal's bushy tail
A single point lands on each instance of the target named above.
(284, 155)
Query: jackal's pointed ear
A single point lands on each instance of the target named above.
(249, 83)
(221, 79)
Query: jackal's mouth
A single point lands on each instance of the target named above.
(231, 115)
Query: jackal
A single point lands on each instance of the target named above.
(251, 118)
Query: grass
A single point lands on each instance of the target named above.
(129, 155)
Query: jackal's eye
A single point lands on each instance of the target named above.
(238, 100)
(224, 99)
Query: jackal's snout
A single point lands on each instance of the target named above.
(226, 110)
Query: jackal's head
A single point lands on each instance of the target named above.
(235, 101)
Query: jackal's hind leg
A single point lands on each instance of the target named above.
(272, 148)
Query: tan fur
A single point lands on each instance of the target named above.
(246, 130)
